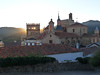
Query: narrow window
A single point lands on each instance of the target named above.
(50, 35)
(32, 44)
(50, 41)
(28, 44)
(73, 30)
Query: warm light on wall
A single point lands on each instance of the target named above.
(34, 28)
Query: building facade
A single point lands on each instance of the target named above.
(66, 32)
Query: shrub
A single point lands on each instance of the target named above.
(83, 60)
(95, 60)
(21, 61)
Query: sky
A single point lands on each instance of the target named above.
(16, 13)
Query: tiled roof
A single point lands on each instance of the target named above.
(64, 34)
(46, 27)
(46, 49)
(59, 34)
(31, 39)
(87, 35)
(42, 35)
(77, 25)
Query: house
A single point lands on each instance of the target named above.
(93, 45)
(89, 52)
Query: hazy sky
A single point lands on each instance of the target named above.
(16, 13)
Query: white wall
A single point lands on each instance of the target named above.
(66, 56)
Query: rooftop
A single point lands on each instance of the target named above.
(59, 27)
(46, 49)
(78, 25)
(64, 34)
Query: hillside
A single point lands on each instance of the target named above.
(11, 33)
(92, 24)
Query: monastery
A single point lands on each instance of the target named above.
(67, 32)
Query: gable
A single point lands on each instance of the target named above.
(51, 37)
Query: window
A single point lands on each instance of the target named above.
(32, 44)
(72, 38)
(28, 44)
(84, 30)
(29, 28)
(73, 30)
(50, 41)
(62, 42)
(50, 35)
(25, 44)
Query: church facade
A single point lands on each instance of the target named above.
(66, 32)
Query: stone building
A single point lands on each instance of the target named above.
(33, 30)
(66, 32)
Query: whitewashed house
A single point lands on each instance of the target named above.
(31, 42)
(64, 57)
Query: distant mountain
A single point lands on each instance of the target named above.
(7, 33)
(92, 24)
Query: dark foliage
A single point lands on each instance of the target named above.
(95, 60)
(83, 60)
(21, 61)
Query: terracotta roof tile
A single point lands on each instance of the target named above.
(87, 35)
(77, 25)
(46, 27)
(64, 34)
(45, 49)
(42, 35)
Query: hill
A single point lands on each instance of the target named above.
(92, 24)
(11, 33)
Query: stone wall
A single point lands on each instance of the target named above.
(50, 67)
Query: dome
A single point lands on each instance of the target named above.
(59, 27)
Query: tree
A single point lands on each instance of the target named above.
(95, 60)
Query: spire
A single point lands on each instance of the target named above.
(96, 29)
(58, 20)
(58, 16)
(70, 16)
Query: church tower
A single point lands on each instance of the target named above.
(70, 16)
(96, 31)
(51, 26)
(33, 30)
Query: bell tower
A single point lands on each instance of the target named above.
(51, 26)
(96, 31)
(70, 16)
(33, 30)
